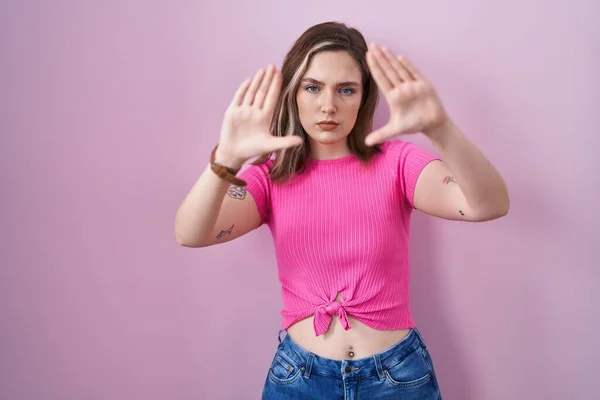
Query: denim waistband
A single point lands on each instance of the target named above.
(362, 367)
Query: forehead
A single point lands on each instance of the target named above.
(331, 67)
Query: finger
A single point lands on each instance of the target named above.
(280, 143)
(259, 99)
(385, 66)
(410, 67)
(378, 136)
(273, 92)
(382, 81)
(398, 67)
(241, 91)
(249, 97)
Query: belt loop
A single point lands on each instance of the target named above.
(279, 336)
(378, 367)
(309, 364)
(420, 338)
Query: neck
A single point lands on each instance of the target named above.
(323, 151)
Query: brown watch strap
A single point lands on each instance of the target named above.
(225, 172)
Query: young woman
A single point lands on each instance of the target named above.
(338, 198)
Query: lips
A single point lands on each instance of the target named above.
(328, 125)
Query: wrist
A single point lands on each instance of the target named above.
(437, 132)
(227, 159)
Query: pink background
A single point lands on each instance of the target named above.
(108, 111)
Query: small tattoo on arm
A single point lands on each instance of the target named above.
(237, 192)
(448, 179)
(225, 233)
(461, 213)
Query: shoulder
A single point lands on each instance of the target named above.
(392, 151)
(395, 147)
(257, 175)
(405, 157)
(400, 149)
(263, 168)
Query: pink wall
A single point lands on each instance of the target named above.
(108, 113)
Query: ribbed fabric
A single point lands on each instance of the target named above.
(343, 227)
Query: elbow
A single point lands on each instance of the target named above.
(186, 236)
(186, 241)
(498, 210)
(504, 205)
(182, 241)
(498, 203)
(504, 210)
(498, 213)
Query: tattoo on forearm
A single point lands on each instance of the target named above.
(461, 213)
(448, 179)
(226, 232)
(237, 192)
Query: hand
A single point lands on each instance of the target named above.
(245, 130)
(413, 102)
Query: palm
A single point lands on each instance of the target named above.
(413, 107)
(245, 131)
(413, 102)
(248, 128)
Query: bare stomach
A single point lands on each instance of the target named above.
(340, 344)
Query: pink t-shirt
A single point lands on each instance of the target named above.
(343, 227)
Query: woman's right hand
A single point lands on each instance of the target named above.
(245, 132)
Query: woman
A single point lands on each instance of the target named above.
(337, 198)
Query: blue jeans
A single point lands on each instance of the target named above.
(404, 371)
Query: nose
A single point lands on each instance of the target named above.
(328, 102)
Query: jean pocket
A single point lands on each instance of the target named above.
(284, 370)
(410, 371)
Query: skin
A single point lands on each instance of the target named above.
(330, 89)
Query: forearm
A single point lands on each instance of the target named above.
(482, 185)
(199, 211)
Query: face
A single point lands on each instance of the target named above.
(329, 98)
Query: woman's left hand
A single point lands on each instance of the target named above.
(413, 102)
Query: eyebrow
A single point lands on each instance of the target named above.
(316, 82)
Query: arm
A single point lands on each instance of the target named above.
(206, 215)
(214, 212)
(466, 186)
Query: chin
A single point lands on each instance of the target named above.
(328, 138)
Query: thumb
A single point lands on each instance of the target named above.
(279, 143)
(379, 135)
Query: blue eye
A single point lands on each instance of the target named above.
(344, 91)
